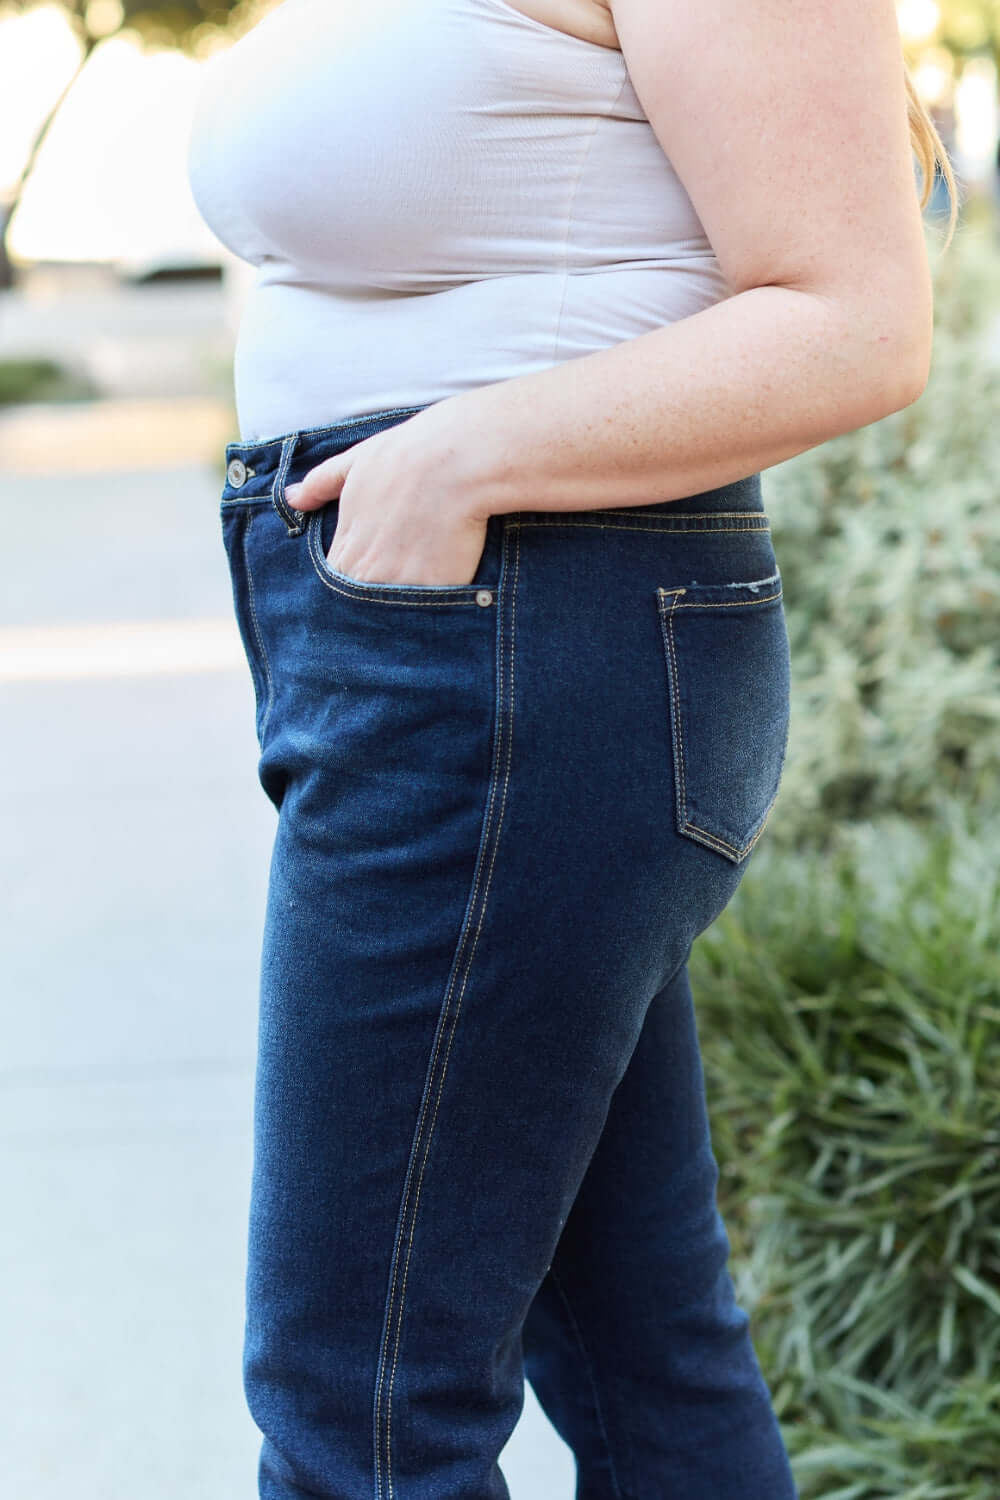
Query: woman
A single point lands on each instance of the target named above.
(542, 287)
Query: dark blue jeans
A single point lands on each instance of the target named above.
(481, 1151)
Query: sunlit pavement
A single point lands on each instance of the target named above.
(134, 854)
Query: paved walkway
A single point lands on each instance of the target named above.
(133, 866)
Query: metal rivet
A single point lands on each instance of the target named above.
(483, 596)
(236, 472)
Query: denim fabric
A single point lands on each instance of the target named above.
(481, 1151)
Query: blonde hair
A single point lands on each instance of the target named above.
(930, 152)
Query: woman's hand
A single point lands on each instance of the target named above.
(411, 510)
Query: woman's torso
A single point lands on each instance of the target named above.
(436, 194)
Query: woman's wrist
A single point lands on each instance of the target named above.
(466, 468)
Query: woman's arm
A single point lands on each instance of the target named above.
(786, 121)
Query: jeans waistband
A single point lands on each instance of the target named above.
(259, 470)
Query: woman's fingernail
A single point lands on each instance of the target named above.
(291, 490)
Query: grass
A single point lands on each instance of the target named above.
(849, 1006)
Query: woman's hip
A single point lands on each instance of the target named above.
(615, 681)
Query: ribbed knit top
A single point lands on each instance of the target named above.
(436, 194)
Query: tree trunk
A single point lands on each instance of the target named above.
(9, 204)
(6, 269)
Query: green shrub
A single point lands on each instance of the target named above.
(849, 996)
(849, 1005)
(888, 540)
(41, 380)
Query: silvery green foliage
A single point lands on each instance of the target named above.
(849, 996)
(888, 540)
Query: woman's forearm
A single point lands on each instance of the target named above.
(731, 390)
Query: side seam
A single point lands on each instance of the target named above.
(451, 1005)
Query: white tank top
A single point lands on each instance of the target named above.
(437, 195)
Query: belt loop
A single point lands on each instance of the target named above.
(295, 520)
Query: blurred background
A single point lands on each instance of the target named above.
(849, 997)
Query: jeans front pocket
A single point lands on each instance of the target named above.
(481, 590)
(728, 672)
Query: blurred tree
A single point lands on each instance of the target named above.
(970, 26)
(192, 25)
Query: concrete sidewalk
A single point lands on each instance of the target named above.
(133, 862)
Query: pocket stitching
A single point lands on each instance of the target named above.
(685, 826)
(668, 524)
(387, 593)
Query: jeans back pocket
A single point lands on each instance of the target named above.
(728, 672)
